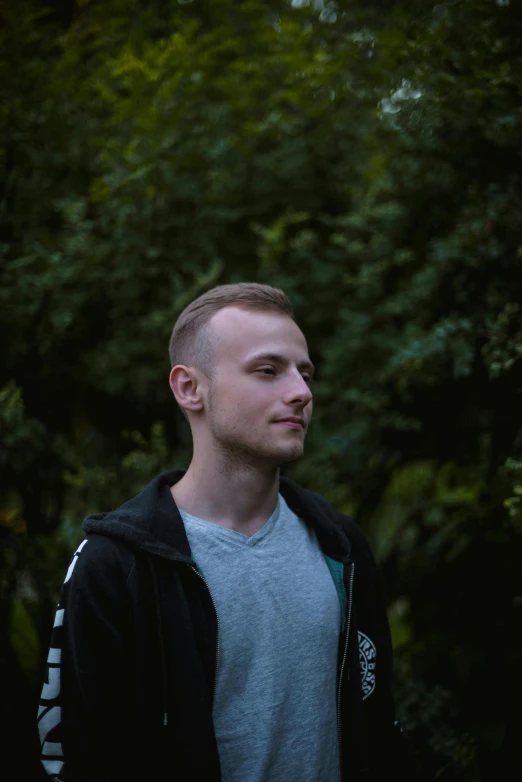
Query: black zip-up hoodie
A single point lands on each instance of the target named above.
(132, 663)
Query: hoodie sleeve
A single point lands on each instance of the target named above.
(84, 699)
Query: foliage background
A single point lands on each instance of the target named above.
(366, 158)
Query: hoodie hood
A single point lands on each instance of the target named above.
(150, 521)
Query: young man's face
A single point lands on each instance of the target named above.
(259, 403)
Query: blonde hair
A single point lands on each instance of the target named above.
(191, 342)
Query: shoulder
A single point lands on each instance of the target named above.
(358, 540)
(359, 543)
(99, 560)
(319, 510)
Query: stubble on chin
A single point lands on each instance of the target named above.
(237, 455)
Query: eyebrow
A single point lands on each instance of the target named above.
(278, 359)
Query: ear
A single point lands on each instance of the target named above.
(185, 386)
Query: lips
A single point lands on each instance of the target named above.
(292, 422)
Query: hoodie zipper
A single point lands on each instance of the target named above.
(347, 635)
(196, 571)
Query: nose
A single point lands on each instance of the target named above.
(298, 392)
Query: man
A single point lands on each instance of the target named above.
(225, 624)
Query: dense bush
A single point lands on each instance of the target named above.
(367, 160)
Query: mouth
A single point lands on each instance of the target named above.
(292, 422)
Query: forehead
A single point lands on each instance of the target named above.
(241, 333)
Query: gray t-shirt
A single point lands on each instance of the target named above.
(275, 712)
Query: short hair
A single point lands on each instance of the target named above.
(191, 342)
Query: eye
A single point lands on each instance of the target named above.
(268, 371)
(307, 378)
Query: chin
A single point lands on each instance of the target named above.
(262, 452)
(290, 455)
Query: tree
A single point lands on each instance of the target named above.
(366, 160)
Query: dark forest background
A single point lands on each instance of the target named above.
(365, 157)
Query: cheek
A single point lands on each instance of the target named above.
(243, 400)
(254, 402)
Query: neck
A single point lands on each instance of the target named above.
(228, 492)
